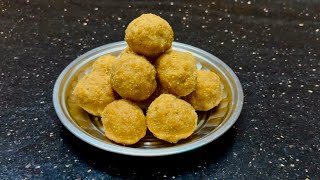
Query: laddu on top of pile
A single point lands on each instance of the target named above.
(148, 74)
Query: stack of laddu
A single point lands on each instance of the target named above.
(149, 75)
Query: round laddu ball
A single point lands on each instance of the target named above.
(104, 64)
(93, 92)
(133, 77)
(149, 35)
(177, 72)
(124, 122)
(208, 93)
(171, 119)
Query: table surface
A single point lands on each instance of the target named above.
(272, 46)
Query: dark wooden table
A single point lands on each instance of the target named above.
(273, 46)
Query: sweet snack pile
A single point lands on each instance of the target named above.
(148, 75)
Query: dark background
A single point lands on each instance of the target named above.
(273, 46)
